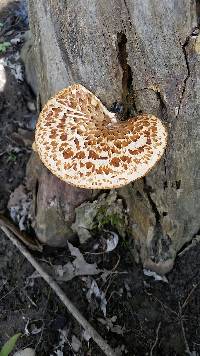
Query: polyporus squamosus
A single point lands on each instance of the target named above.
(83, 144)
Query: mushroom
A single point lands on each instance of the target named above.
(84, 144)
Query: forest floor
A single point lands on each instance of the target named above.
(136, 313)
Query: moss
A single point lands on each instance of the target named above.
(108, 217)
(105, 212)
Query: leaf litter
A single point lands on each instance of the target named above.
(112, 241)
(78, 267)
(111, 326)
(94, 290)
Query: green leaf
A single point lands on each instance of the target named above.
(4, 46)
(9, 345)
(1, 24)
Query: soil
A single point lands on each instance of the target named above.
(144, 316)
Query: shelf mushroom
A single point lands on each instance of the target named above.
(84, 144)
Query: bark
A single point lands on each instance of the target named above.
(144, 55)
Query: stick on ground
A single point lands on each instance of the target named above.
(69, 305)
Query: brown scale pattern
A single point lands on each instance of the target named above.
(83, 144)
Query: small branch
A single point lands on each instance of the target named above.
(156, 340)
(59, 292)
(183, 332)
(189, 295)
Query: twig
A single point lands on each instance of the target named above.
(59, 292)
(111, 273)
(164, 306)
(2, 153)
(156, 340)
(189, 295)
(4, 283)
(5, 295)
(29, 298)
(183, 331)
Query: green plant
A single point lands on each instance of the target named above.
(9, 345)
(1, 24)
(12, 157)
(4, 46)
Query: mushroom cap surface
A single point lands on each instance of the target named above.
(83, 144)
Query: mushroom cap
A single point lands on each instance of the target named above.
(84, 144)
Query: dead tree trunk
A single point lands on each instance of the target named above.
(145, 55)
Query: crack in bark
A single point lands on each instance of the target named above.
(165, 183)
(36, 196)
(158, 227)
(198, 12)
(163, 107)
(184, 49)
(129, 107)
(148, 190)
(185, 44)
(128, 12)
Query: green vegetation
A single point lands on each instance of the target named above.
(107, 217)
(4, 46)
(9, 345)
(12, 157)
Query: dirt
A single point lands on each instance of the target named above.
(144, 316)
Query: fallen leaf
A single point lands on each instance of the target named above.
(120, 350)
(15, 40)
(19, 206)
(15, 66)
(98, 293)
(76, 344)
(2, 77)
(112, 241)
(78, 267)
(86, 335)
(58, 353)
(109, 323)
(26, 352)
(156, 276)
(58, 349)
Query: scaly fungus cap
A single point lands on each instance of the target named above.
(84, 144)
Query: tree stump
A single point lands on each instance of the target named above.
(145, 56)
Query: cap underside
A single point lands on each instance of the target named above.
(82, 143)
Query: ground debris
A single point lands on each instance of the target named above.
(12, 62)
(94, 290)
(76, 344)
(157, 277)
(33, 327)
(110, 325)
(78, 267)
(19, 205)
(141, 307)
(192, 244)
(26, 352)
(121, 350)
(111, 241)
